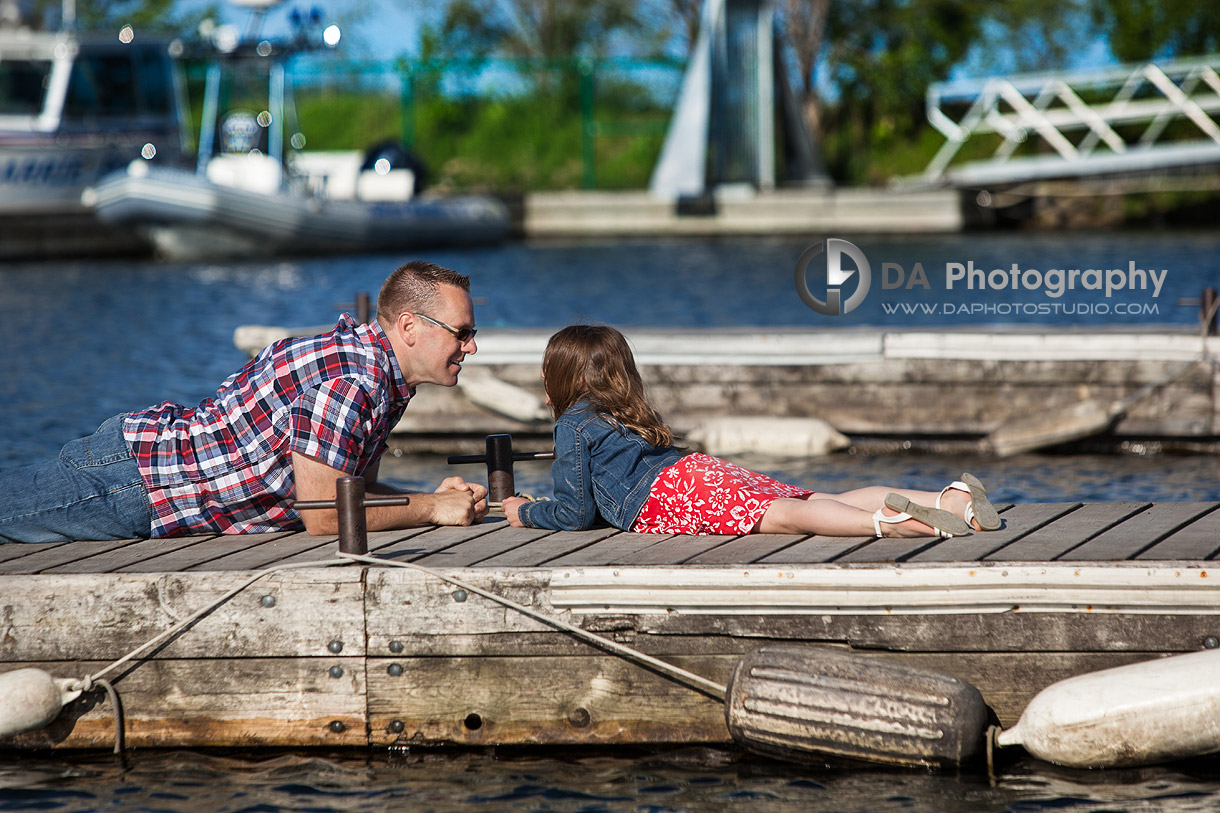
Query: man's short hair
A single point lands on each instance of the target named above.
(414, 287)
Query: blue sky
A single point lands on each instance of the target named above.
(372, 29)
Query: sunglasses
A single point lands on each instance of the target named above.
(463, 335)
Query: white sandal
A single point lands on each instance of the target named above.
(980, 508)
(946, 524)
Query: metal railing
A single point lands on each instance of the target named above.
(1085, 123)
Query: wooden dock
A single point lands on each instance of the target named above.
(330, 654)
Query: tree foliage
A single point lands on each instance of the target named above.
(534, 29)
(160, 16)
(1148, 29)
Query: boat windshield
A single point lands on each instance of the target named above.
(23, 86)
(122, 84)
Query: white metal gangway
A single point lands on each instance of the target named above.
(1063, 125)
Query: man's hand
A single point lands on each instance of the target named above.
(455, 502)
(454, 492)
(511, 506)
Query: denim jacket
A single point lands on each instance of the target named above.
(600, 468)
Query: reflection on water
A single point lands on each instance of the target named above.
(698, 779)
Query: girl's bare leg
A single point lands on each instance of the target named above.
(819, 514)
(873, 497)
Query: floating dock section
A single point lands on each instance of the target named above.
(321, 653)
(951, 387)
(741, 211)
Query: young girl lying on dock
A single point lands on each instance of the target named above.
(614, 456)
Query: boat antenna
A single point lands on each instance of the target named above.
(254, 23)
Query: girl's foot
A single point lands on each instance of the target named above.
(967, 498)
(926, 521)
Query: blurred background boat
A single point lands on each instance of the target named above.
(253, 190)
(72, 109)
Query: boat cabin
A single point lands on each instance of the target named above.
(73, 108)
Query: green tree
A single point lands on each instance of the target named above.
(536, 29)
(161, 16)
(1149, 29)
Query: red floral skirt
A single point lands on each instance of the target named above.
(701, 494)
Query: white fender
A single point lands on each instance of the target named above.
(485, 390)
(30, 699)
(1137, 714)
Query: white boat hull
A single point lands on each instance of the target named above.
(186, 215)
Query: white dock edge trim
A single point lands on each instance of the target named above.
(781, 347)
(1189, 588)
(1100, 346)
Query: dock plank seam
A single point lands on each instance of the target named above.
(41, 559)
(1151, 522)
(1213, 514)
(492, 552)
(1108, 528)
(416, 557)
(757, 549)
(1044, 514)
(578, 548)
(11, 551)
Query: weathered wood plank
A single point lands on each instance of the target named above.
(435, 538)
(600, 699)
(746, 549)
(329, 551)
(404, 607)
(1013, 632)
(127, 555)
(816, 549)
(1199, 540)
(423, 616)
(594, 698)
(197, 556)
(17, 550)
(263, 702)
(885, 549)
(267, 550)
(473, 551)
(608, 551)
(1061, 535)
(1009, 681)
(104, 616)
(674, 550)
(55, 556)
(1140, 531)
(543, 550)
(1019, 521)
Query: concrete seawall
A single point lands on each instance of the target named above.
(782, 211)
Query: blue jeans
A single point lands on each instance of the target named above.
(93, 490)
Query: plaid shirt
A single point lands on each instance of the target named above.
(226, 465)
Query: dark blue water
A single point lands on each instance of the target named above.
(86, 340)
(679, 779)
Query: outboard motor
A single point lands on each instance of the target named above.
(394, 156)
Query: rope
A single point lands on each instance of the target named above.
(86, 684)
(176, 628)
(118, 714)
(690, 678)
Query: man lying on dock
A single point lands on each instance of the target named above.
(284, 427)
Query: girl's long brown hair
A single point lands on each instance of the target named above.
(594, 363)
